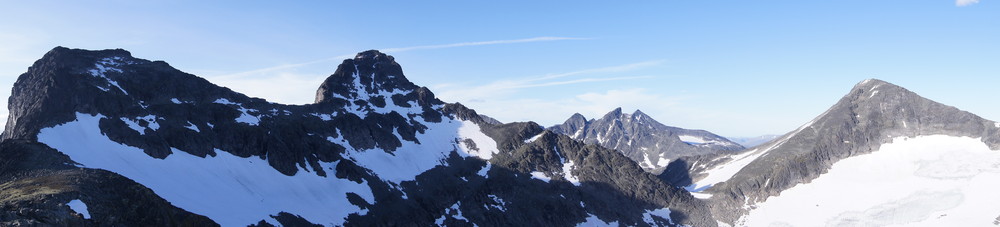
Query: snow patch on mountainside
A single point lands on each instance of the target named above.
(533, 138)
(454, 212)
(108, 65)
(692, 139)
(593, 221)
(365, 92)
(411, 159)
(230, 190)
(567, 169)
(725, 171)
(245, 116)
(541, 176)
(663, 213)
(79, 207)
(928, 180)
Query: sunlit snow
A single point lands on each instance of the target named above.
(411, 159)
(593, 221)
(533, 138)
(540, 176)
(927, 181)
(662, 213)
(245, 116)
(567, 169)
(106, 65)
(691, 139)
(230, 190)
(723, 172)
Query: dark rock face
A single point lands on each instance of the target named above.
(643, 139)
(872, 114)
(367, 105)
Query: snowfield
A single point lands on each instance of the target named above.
(723, 172)
(412, 158)
(922, 181)
(230, 190)
(235, 191)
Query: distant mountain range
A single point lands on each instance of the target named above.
(753, 141)
(101, 138)
(643, 139)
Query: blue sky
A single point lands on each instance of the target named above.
(737, 68)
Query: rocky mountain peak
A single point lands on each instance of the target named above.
(61, 53)
(368, 73)
(873, 113)
(373, 55)
(638, 113)
(614, 114)
(643, 139)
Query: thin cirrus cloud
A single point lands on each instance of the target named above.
(403, 49)
(965, 2)
(497, 89)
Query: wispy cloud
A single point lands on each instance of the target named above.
(965, 2)
(402, 49)
(494, 42)
(495, 89)
(577, 81)
(611, 69)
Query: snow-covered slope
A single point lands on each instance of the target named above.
(933, 180)
(230, 190)
(872, 114)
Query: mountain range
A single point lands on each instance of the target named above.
(753, 141)
(162, 147)
(101, 138)
(643, 139)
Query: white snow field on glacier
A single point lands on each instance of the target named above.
(922, 181)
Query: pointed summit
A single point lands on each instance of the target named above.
(614, 114)
(368, 73)
(639, 115)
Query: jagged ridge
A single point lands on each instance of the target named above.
(643, 139)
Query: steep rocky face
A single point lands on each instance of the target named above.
(374, 149)
(643, 139)
(872, 114)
